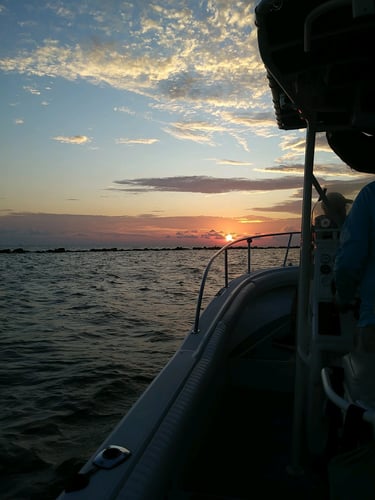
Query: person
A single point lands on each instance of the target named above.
(354, 268)
(336, 208)
(331, 214)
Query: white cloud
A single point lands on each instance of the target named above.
(73, 139)
(125, 140)
(32, 90)
(233, 162)
(208, 57)
(123, 109)
(198, 59)
(197, 131)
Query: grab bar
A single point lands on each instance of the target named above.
(343, 404)
(330, 393)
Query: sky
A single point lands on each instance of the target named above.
(144, 123)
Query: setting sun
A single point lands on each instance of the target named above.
(229, 237)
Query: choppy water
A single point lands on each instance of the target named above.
(81, 335)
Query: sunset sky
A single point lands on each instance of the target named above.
(143, 123)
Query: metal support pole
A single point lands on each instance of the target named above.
(303, 323)
(226, 268)
(287, 249)
(249, 241)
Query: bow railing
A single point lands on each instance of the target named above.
(225, 250)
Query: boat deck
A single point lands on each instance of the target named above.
(235, 464)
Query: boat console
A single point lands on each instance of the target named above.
(330, 330)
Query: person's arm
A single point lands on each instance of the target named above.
(353, 251)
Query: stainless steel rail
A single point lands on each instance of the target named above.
(343, 404)
(224, 249)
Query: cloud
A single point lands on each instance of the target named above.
(217, 185)
(233, 162)
(201, 131)
(200, 60)
(290, 206)
(187, 234)
(253, 219)
(349, 188)
(73, 139)
(32, 90)
(204, 184)
(123, 109)
(38, 230)
(124, 140)
(320, 169)
(205, 57)
(19, 121)
(260, 119)
(294, 145)
(213, 235)
(61, 10)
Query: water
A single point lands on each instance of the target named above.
(81, 336)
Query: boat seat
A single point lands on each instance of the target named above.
(359, 378)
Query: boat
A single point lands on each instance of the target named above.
(264, 396)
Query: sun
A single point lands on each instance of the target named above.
(229, 237)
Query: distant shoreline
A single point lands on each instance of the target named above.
(146, 249)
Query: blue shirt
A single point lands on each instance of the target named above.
(355, 260)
